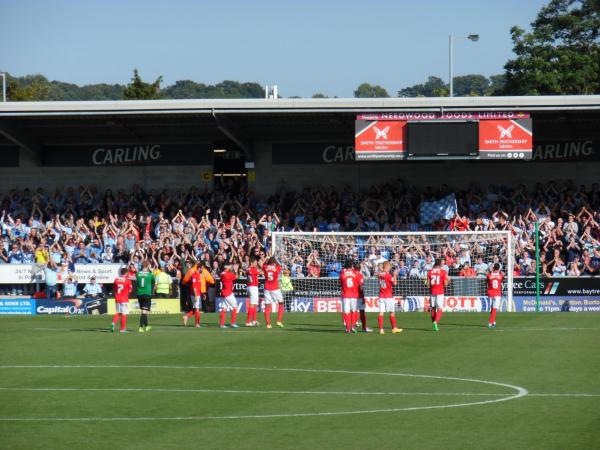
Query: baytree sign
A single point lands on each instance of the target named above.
(153, 154)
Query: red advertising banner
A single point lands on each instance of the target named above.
(505, 139)
(459, 115)
(376, 140)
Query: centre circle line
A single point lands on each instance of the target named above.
(519, 392)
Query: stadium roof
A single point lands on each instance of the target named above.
(33, 126)
(530, 103)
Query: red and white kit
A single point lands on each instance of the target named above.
(387, 303)
(437, 280)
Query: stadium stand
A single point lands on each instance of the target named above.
(232, 225)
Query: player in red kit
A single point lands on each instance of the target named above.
(350, 285)
(252, 283)
(494, 291)
(272, 292)
(196, 296)
(361, 299)
(122, 288)
(229, 303)
(387, 302)
(437, 280)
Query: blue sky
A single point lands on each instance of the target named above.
(303, 46)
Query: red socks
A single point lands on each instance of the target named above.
(222, 319)
(493, 316)
(393, 321)
(233, 316)
(363, 319)
(123, 320)
(433, 314)
(268, 315)
(280, 310)
(380, 321)
(347, 320)
(190, 313)
(438, 315)
(197, 314)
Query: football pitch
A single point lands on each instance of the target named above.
(531, 383)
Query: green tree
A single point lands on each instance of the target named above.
(561, 54)
(433, 87)
(140, 90)
(497, 84)
(30, 88)
(365, 90)
(319, 95)
(471, 85)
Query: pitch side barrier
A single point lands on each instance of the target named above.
(558, 294)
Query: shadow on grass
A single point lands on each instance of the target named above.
(462, 325)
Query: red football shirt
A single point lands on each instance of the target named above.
(122, 287)
(386, 281)
(227, 279)
(361, 280)
(437, 277)
(252, 276)
(272, 276)
(350, 283)
(494, 284)
(196, 283)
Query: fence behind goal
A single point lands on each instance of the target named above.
(319, 258)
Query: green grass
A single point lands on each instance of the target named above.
(184, 373)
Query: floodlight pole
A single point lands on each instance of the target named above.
(450, 68)
(3, 75)
(471, 37)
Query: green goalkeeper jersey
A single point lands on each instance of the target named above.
(145, 282)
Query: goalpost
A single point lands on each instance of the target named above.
(318, 258)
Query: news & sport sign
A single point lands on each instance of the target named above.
(502, 135)
(33, 273)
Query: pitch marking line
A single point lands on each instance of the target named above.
(232, 391)
(518, 392)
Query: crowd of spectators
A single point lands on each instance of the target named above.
(231, 225)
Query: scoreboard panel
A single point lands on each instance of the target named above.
(499, 135)
(452, 139)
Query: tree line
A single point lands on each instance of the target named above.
(39, 88)
(560, 55)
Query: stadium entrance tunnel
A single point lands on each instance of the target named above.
(41, 392)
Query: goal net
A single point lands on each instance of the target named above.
(316, 259)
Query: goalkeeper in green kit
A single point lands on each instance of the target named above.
(145, 288)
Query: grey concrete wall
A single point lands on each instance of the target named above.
(268, 177)
(32, 176)
(454, 173)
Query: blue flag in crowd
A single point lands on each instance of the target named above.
(444, 208)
